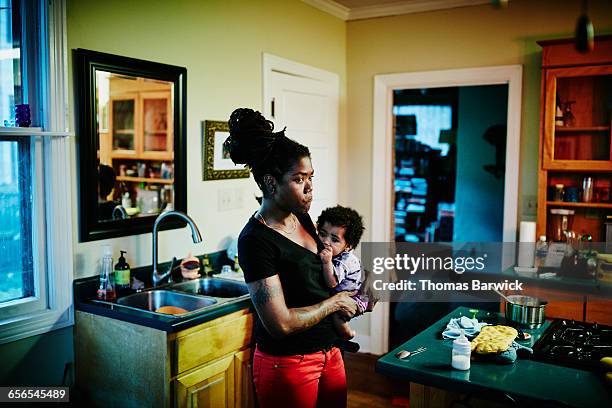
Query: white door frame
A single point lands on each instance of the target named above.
(382, 156)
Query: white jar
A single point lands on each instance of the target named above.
(461, 353)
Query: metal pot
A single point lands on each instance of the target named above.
(527, 311)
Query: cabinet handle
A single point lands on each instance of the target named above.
(272, 106)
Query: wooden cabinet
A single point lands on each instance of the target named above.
(140, 120)
(575, 141)
(243, 378)
(211, 385)
(128, 365)
(136, 138)
(227, 382)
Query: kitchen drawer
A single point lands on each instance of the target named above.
(208, 342)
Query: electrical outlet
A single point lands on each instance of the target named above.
(230, 199)
(530, 205)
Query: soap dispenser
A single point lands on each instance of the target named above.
(122, 274)
(461, 353)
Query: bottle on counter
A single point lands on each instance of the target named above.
(237, 267)
(122, 274)
(208, 270)
(461, 353)
(106, 291)
(541, 251)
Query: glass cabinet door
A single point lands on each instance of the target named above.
(577, 118)
(123, 124)
(157, 124)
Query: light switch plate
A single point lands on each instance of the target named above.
(230, 199)
(530, 205)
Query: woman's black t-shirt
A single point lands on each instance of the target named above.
(264, 252)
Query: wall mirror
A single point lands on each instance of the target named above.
(132, 143)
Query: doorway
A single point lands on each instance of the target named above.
(383, 188)
(448, 179)
(449, 163)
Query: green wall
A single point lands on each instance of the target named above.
(479, 195)
(37, 360)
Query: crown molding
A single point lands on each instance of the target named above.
(331, 7)
(390, 9)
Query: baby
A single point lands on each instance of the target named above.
(340, 229)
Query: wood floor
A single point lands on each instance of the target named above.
(368, 389)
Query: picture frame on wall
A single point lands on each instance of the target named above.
(216, 163)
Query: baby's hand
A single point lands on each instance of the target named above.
(326, 254)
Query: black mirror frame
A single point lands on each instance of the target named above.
(86, 63)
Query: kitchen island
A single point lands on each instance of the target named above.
(435, 384)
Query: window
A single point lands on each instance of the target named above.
(16, 267)
(10, 61)
(35, 213)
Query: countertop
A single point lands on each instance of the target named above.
(578, 287)
(85, 289)
(525, 378)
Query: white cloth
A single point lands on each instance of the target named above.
(471, 327)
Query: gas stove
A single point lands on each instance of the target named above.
(574, 344)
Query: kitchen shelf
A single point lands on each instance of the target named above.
(567, 129)
(580, 166)
(579, 87)
(578, 205)
(145, 180)
(149, 156)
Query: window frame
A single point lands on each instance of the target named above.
(51, 307)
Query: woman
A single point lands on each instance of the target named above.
(295, 362)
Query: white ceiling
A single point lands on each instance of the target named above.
(360, 9)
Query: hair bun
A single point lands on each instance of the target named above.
(245, 120)
(251, 136)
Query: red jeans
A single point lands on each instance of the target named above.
(300, 381)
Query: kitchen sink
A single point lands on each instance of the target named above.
(215, 287)
(183, 299)
(172, 304)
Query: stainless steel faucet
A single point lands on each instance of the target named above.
(195, 233)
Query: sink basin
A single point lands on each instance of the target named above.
(151, 301)
(215, 287)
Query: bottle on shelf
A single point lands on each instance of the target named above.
(106, 291)
(541, 251)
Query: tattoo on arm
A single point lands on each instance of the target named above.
(309, 316)
(267, 298)
(263, 293)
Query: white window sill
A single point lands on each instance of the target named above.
(31, 131)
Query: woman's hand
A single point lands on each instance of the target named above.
(346, 306)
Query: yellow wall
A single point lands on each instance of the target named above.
(476, 36)
(221, 44)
